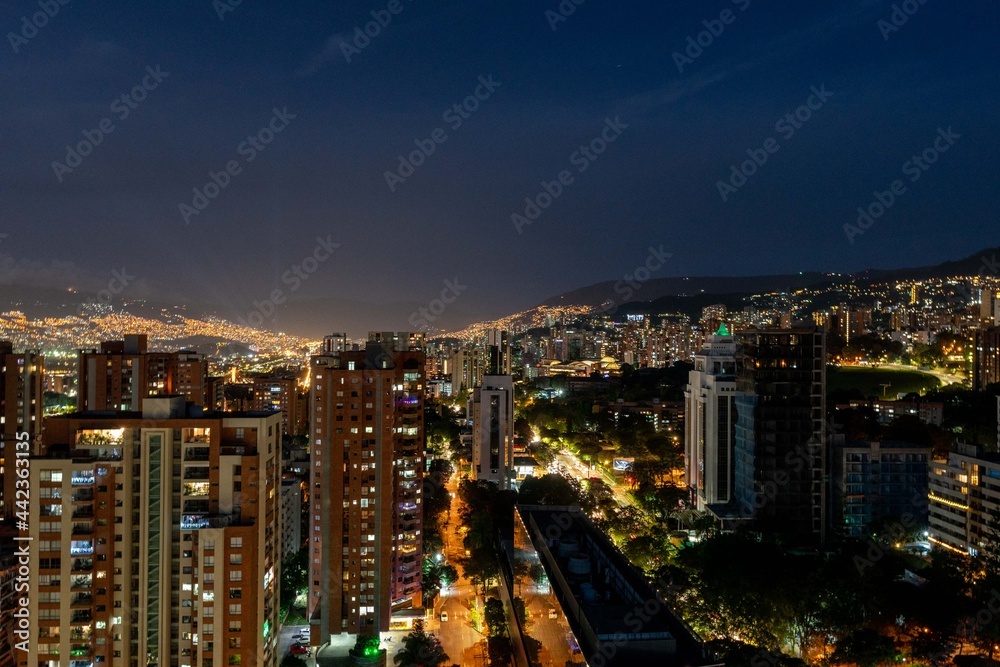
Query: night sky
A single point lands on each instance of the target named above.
(323, 175)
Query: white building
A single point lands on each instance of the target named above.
(964, 496)
(291, 516)
(710, 419)
(491, 407)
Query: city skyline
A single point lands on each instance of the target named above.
(333, 122)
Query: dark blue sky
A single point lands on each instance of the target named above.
(323, 175)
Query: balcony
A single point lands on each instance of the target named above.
(82, 617)
(81, 565)
(82, 601)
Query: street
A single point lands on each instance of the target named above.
(460, 641)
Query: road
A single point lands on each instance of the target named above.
(575, 468)
(945, 378)
(461, 642)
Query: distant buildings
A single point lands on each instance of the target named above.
(964, 494)
(929, 412)
(279, 392)
(986, 358)
(466, 366)
(22, 404)
(780, 448)
(710, 415)
(873, 481)
(498, 353)
(491, 408)
(121, 374)
(367, 438)
(156, 539)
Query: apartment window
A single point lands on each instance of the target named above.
(236, 609)
(236, 575)
(235, 593)
(235, 559)
(235, 542)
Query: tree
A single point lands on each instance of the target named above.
(294, 577)
(548, 490)
(866, 648)
(420, 649)
(481, 568)
(496, 618)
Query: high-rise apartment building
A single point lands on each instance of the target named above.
(466, 367)
(21, 408)
(291, 515)
(123, 373)
(155, 539)
(964, 490)
(279, 392)
(498, 359)
(367, 438)
(780, 451)
(710, 419)
(989, 308)
(986, 358)
(491, 407)
(870, 481)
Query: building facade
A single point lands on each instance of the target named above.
(963, 499)
(21, 409)
(121, 374)
(780, 448)
(872, 481)
(365, 516)
(156, 539)
(491, 407)
(280, 392)
(986, 358)
(291, 515)
(710, 420)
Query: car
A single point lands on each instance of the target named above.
(299, 649)
(553, 613)
(444, 617)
